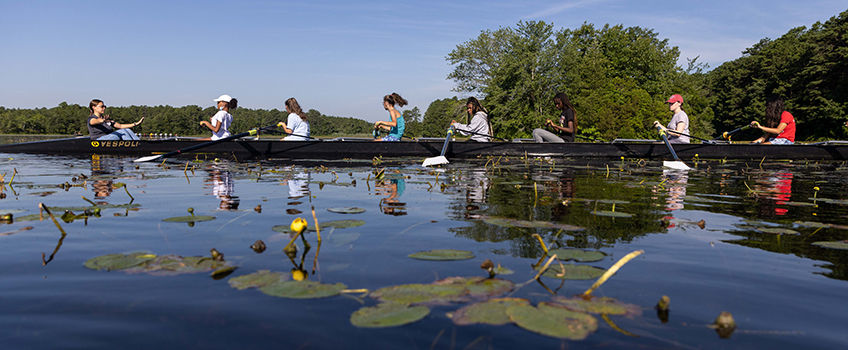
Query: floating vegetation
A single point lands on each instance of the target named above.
(529, 224)
(614, 214)
(820, 225)
(346, 210)
(572, 272)
(165, 265)
(257, 279)
(452, 289)
(339, 224)
(302, 289)
(577, 255)
(190, 219)
(595, 305)
(553, 320)
(841, 245)
(777, 231)
(388, 315)
(491, 312)
(443, 255)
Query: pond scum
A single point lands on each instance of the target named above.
(480, 300)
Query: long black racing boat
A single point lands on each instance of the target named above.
(353, 148)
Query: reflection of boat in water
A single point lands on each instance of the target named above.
(341, 148)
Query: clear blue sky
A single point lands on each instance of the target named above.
(339, 57)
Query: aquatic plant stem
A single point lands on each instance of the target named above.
(544, 268)
(612, 271)
(88, 200)
(616, 327)
(317, 228)
(536, 236)
(15, 172)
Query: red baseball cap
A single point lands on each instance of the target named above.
(675, 98)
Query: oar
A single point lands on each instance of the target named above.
(202, 145)
(694, 137)
(676, 164)
(726, 134)
(441, 158)
(479, 134)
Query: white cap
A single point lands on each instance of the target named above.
(225, 98)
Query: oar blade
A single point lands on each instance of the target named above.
(676, 164)
(435, 161)
(147, 159)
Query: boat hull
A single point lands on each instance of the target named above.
(366, 149)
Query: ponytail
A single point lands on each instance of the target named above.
(233, 104)
(395, 99)
(294, 107)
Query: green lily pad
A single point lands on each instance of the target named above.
(500, 270)
(302, 289)
(577, 255)
(530, 224)
(346, 210)
(339, 224)
(799, 204)
(421, 293)
(778, 231)
(841, 245)
(257, 279)
(388, 315)
(614, 214)
(191, 218)
(492, 311)
(572, 272)
(811, 224)
(479, 287)
(612, 201)
(340, 239)
(553, 321)
(607, 306)
(112, 262)
(170, 265)
(442, 255)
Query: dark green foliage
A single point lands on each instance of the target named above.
(439, 114)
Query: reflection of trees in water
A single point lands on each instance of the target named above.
(504, 199)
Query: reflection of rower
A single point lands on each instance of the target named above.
(222, 187)
(778, 185)
(101, 171)
(677, 181)
(391, 205)
(298, 186)
(476, 190)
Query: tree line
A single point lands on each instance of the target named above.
(71, 119)
(618, 79)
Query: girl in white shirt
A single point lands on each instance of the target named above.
(221, 121)
(480, 126)
(297, 125)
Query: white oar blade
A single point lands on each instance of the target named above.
(147, 159)
(675, 165)
(435, 161)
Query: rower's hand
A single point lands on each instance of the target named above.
(549, 123)
(657, 124)
(139, 121)
(755, 124)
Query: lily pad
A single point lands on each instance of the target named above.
(170, 265)
(572, 272)
(339, 224)
(500, 270)
(811, 224)
(492, 311)
(614, 214)
(553, 321)
(778, 231)
(346, 210)
(606, 306)
(340, 239)
(191, 218)
(480, 287)
(112, 262)
(577, 255)
(302, 289)
(388, 315)
(799, 204)
(612, 201)
(257, 279)
(530, 224)
(841, 245)
(421, 293)
(443, 255)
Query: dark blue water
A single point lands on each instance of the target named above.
(783, 291)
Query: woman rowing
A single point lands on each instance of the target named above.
(780, 125)
(396, 125)
(679, 124)
(480, 125)
(220, 123)
(297, 125)
(102, 128)
(567, 127)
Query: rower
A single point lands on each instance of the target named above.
(780, 124)
(567, 127)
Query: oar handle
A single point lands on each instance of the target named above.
(665, 139)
